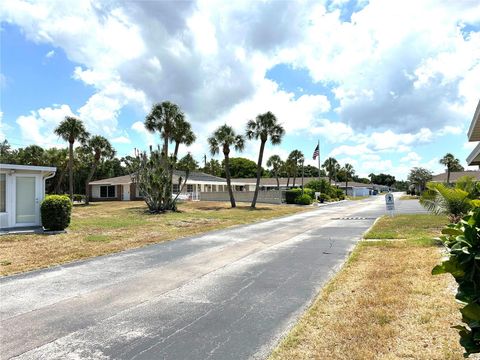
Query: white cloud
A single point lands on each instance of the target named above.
(121, 140)
(412, 158)
(38, 127)
(149, 138)
(50, 54)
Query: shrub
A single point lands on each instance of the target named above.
(463, 263)
(304, 199)
(291, 195)
(56, 211)
(78, 197)
(339, 194)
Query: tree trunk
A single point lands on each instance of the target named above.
(288, 181)
(448, 176)
(89, 178)
(259, 173)
(175, 152)
(60, 179)
(70, 170)
(278, 182)
(346, 188)
(295, 176)
(227, 175)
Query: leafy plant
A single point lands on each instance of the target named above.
(463, 262)
(56, 211)
(304, 199)
(440, 199)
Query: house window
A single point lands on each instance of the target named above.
(107, 191)
(199, 188)
(2, 192)
(189, 188)
(175, 188)
(214, 188)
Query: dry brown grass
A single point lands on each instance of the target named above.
(108, 227)
(384, 304)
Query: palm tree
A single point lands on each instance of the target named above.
(348, 171)
(264, 127)
(225, 137)
(330, 165)
(182, 134)
(71, 129)
(289, 169)
(452, 164)
(99, 147)
(295, 157)
(276, 163)
(440, 199)
(162, 118)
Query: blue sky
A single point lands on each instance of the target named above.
(379, 87)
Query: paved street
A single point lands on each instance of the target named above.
(228, 294)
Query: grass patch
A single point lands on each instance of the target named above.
(409, 197)
(106, 227)
(384, 303)
(102, 238)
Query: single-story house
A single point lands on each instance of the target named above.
(354, 188)
(124, 188)
(22, 189)
(454, 176)
(474, 135)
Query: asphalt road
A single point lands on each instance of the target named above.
(229, 294)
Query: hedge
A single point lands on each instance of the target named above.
(56, 211)
(292, 194)
(304, 199)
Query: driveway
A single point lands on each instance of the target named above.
(229, 294)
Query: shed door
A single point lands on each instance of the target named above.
(25, 200)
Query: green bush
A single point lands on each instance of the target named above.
(56, 211)
(292, 194)
(462, 241)
(78, 197)
(304, 199)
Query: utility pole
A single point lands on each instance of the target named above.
(205, 161)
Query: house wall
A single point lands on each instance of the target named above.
(95, 193)
(8, 218)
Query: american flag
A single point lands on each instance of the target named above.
(316, 152)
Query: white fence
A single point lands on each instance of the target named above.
(267, 197)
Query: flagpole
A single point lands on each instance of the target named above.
(318, 160)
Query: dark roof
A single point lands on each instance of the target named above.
(127, 179)
(454, 176)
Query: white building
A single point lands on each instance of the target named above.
(22, 188)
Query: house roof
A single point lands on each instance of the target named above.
(194, 176)
(298, 181)
(474, 131)
(474, 157)
(454, 176)
(27, 167)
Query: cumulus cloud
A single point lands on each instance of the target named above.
(399, 74)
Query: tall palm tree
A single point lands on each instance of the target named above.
(99, 147)
(71, 129)
(225, 137)
(289, 169)
(182, 134)
(451, 163)
(330, 166)
(349, 172)
(264, 127)
(276, 163)
(162, 118)
(295, 157)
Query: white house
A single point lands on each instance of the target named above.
(124, 188)
(22, 188)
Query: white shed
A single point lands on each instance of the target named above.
(22, 188)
